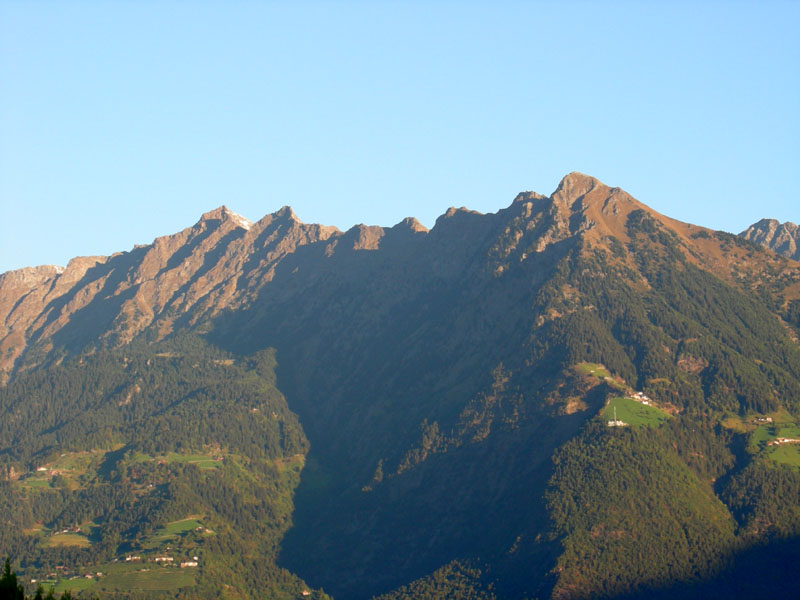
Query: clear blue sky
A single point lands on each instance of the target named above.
(121, 121)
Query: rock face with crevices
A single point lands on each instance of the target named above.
(783, 238)
(224, 262)
(179, 279)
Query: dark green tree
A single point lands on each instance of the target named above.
(10, 589)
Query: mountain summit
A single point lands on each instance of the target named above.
(783, 238)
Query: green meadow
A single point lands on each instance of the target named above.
(634, 413)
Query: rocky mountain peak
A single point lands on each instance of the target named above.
(225, 261)
(224, 214)
(766, 224)
(594, 208)
(456, 215)
(218, 214)
(412, 224)
(783, 238)
(574, 186)
(528, 196)
(286, 212)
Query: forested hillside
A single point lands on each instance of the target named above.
(574, 397)
(159, 467)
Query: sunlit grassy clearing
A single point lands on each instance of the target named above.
(203, 461)
(788, 431)
(172, 530)
(787, 454)
(156, 578)
(748, 423)
(74, 585)
(66, 539)
(600, 372)
(36, 482)
(760, 437)
(593, 369)
(177, 527)
(634, 413)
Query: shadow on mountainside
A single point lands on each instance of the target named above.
(760, 571)
(375, 347)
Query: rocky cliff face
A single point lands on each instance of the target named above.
(783, 238)
(225, 262)
(183, 278)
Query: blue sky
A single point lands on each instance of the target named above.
(123, 121)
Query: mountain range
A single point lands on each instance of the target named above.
(574, 397)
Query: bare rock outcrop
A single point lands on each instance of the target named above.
(225, 262)
(783, 238)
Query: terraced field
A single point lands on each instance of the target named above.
(125, 577)
(152, 578)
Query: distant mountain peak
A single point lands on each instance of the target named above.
(783, 238)
(217, 214)
(574, 186)
(412, 224)
(767, 223)
(223, 213)
(286, 212)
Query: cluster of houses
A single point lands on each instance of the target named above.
(98, 575)
(641, 397)
(49, 471)
(165, 560)
(782, 440)
(75, 529)
(638, 397)
(762, 420)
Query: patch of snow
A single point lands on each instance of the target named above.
(240, 220)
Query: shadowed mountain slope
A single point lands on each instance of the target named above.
(451, 384)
